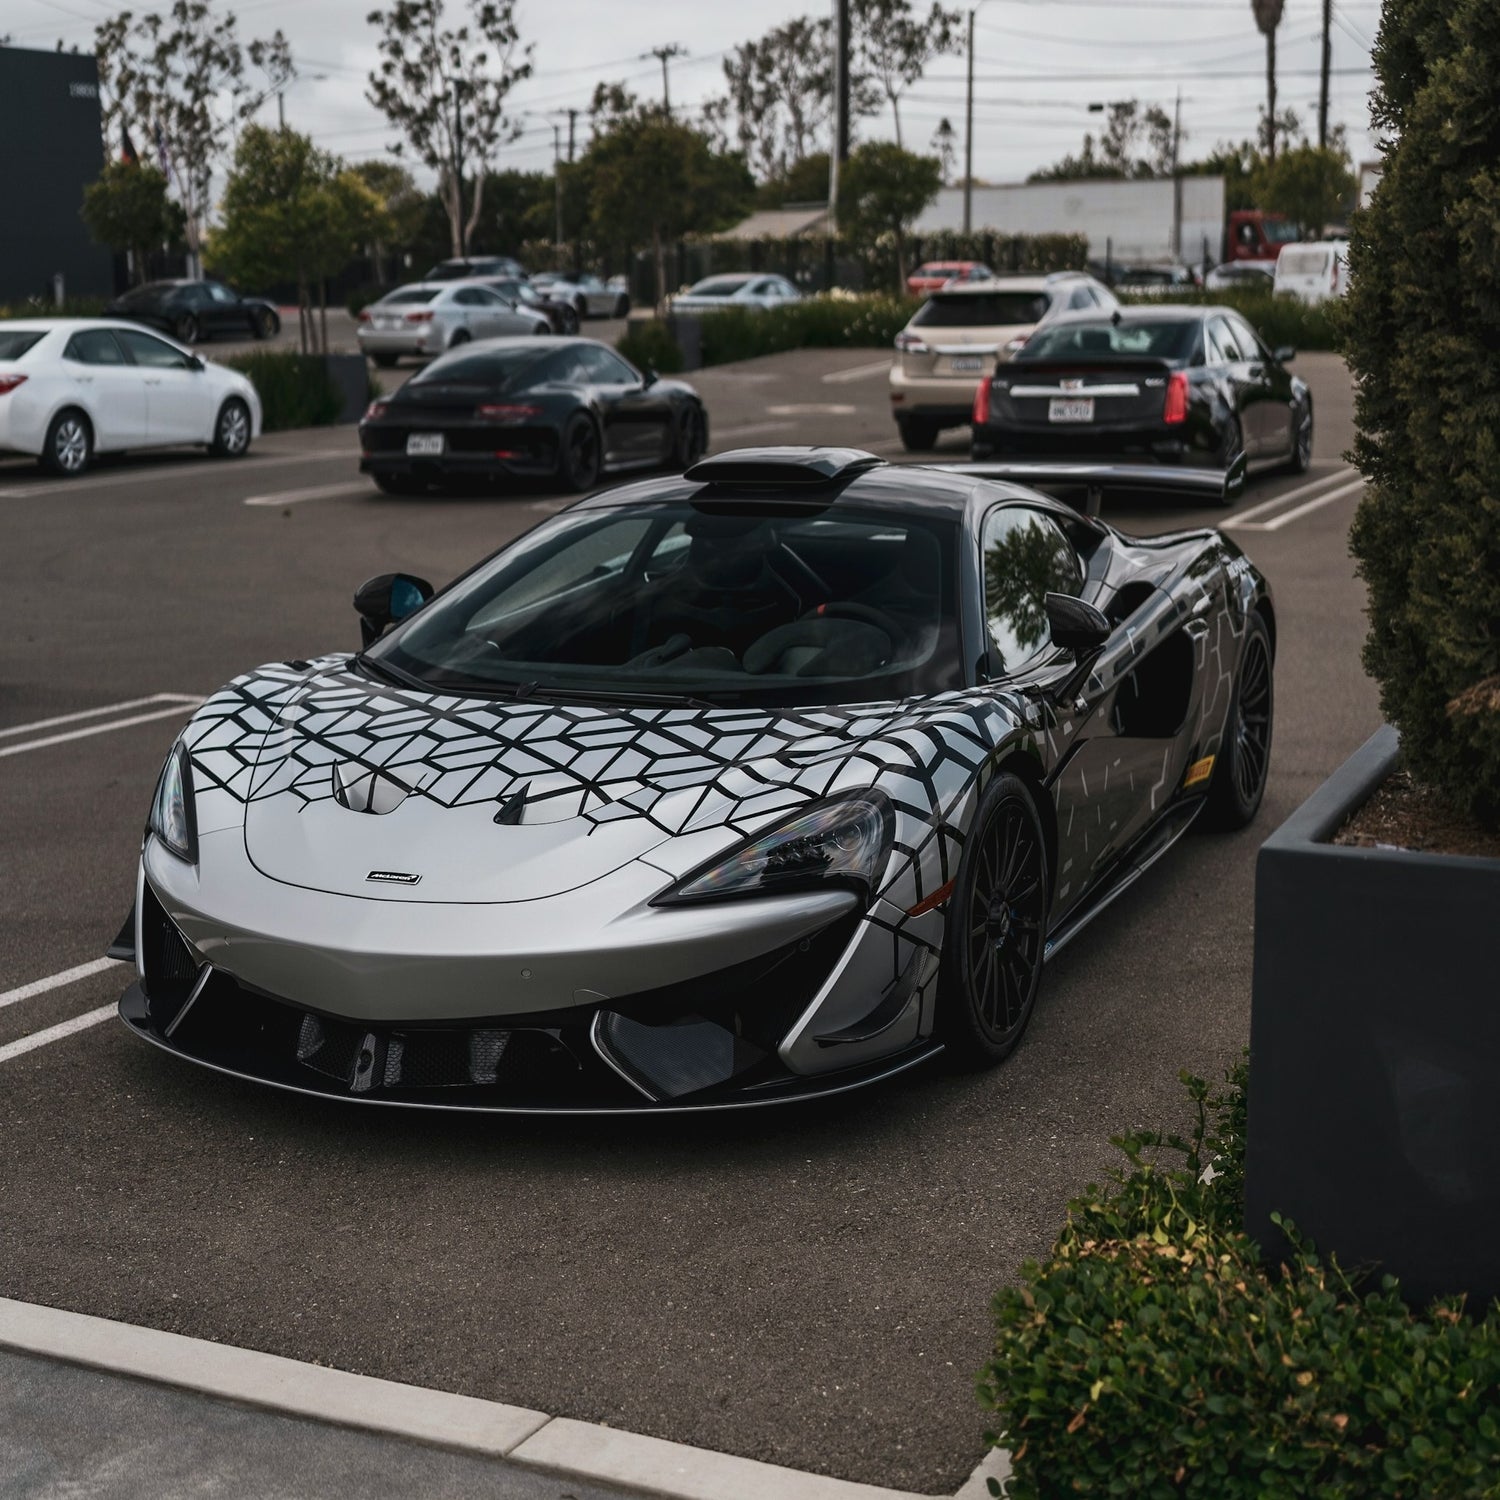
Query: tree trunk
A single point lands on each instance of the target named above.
(896, 116)
(1271, 95)
(302, 319)
(900, 262)
(474, 211)
(323, 314)
(661, 267)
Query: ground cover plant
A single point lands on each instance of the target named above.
(295, 390)
(1154, 1353)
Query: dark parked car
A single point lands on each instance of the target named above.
(1153, 385)
(561, 315)
(193, 310)
(471, 268)
(564, 410)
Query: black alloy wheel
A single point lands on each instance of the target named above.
(1302, 438)
(691, 439)
(581, 306)
(622, 306)
(918, 434)
(578, 459)
(570, 319)
(68, 448)
(997, 926)
(266, 324)
(1231, 448)
(1239, 777)
(185, 329)
(232, 430)
(460, 336)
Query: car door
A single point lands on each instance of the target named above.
(112, 389)
(637, 416)
(194, 298)
(1248, 389)
(1276, 402)
(228, 313)
(179, 401)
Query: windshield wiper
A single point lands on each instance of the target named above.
(387, 673)
(556, 691)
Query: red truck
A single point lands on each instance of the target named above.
(1250, 234)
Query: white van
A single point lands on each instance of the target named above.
(1314, 272)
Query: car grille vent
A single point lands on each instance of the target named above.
(170, 967)
(362, 1059)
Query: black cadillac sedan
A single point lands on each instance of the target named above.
(194, 310)
(1153, 385)
(566, 410)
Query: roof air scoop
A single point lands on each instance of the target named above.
(783, 466)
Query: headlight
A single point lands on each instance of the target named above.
(846, 839)
(172, 818)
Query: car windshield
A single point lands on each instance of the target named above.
(407, 295)
(1105, 339)
(14, 342)
(748, 602)
(153, 291)
(491, 367)
(1279, 231)
(981, 310)
(718, 286)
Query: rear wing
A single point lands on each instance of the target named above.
(1092, 481)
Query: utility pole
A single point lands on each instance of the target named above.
(557, 235)
(666, 54)
(1177, 178)
(1327, 60)
(840, 152)
(572, 121)
(969, 136)
(281, 110)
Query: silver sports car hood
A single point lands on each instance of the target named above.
(347, 785)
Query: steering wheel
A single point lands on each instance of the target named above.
(672, 647)
(865, 613)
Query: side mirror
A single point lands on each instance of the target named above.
(1075, 624)
(388, 597)
(651, 377)
(195, 362)
(1284, 355)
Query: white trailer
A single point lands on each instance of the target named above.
(1136, 222)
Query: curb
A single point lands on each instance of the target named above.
(491, 1429)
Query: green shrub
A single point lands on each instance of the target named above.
(837, 321)
(648, 344)
(1423, 342)
(1153, 1354)
(1277, 319)
(362, 296)
(294, 389)
(45, 307)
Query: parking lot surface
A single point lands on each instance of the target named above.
(807, 1286)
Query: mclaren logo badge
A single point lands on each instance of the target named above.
(392, 877)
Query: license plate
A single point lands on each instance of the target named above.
(963, 365)
(424, 445)
(1070, 409)
(387, 322)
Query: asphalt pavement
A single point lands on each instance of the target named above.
(807, 1286)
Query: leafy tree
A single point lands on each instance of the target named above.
(1422, 337)
(1236, 164)
(944, 143)
(1135, 143)
(290, 208)
(652, 179)
(445, 91)
(893, 45)
(781, 93)
(805, 181)
(127, 208)
(398, 213)
(179, 79)
(882, 189)
(1267, 19)
(1311, 185)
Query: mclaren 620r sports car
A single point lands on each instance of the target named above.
(766, 780)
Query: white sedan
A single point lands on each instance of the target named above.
(741, 289)
(591, 297)
(74, 387)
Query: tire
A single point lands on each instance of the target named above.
(581, 306)
(68, 448)
(398, 484)
(386, 361)
(579, 456)
(266, 324)
(691, 439)
(460, 336)
(185, 329)
(997, 928)
(542, 330)
(1239, 776)
(918, 434)
(231, 430)
(622, 306)
(571, 324)
(1301, 459)
(1230, 448)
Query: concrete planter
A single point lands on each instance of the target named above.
(1375, 1048)
(352, 377)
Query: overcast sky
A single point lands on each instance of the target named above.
(1038, 63)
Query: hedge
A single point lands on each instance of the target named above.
(1154, 1354)
(295, 390)
(649, 344)
(45, 307)
(1277, 319)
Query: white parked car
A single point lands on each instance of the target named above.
(74, 387)
(1257, 275)
(591, 297)
(715, 293)
(427, 318)
(1314, 272)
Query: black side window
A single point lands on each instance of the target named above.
(152, 352)
(94, 346)
(604, 368)
(1081, 299)
(1027, 555)
(221, 294)
(1222, 340)
(1247, 339)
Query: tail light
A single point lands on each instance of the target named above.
(419, 317)
(8, 383)
(374, 410)
(1175, 408)
(1017, 344)
(364, 316)
(981, 415)
(911, 343)
(506, 413)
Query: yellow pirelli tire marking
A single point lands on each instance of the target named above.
(1199, 771)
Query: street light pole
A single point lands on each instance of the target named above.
(969, 136)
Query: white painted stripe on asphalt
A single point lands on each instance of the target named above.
(59, 488)
(177, 710)
(56, 981)
(1288, 495)
(95, 713)
(1352, 488)
(745, 429)
(858, 372)
(314, 492)
(56, 1033)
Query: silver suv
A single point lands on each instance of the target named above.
(960, 332)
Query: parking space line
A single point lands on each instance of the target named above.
(1305, 509)
(858, 372)
(745, 429)
(1288, 495)
(94, 713)
(58, 487)
(56, 981)
(313, 492)
(56, 1033)
(177, 709)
